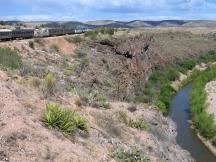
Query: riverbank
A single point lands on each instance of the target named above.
(187, 137)
(163, 83)
(208, 101)
(203, 119)
(211, 98)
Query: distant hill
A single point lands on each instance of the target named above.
(120, 24)
(163, 23)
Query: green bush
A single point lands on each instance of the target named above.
(166, 93)
(188, 64)
(205, 123)
(132, 155)
(10, 59)
(31, 44)
(171, 74)
(207, 57)
(64, 120)
(161, 106)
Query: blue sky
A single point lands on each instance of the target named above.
(84, 10)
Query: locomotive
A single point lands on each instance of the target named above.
(7, 34)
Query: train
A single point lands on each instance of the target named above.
(8, 34)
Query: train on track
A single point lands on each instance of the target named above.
(8, 34)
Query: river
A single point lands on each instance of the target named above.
(186, 138)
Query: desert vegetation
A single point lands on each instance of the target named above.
(129, 155)
(139, 123)
(74, 39)
(49, 84)
(31, 44)
(64, 120)
(92, 34)
(10, 59)
(54, 48)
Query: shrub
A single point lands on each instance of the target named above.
(166, 93)
(98, 100)
(214, 141)
(122, 117)
(49, 84)
(188, 64)
(207, 57)
(69, 70)
(10, 59)
(64, 120)
(74, 39)
(205, 123)
(92, 34)
(171, 74)
(54, 48)
(132, 155)
(161, 106)
(138, 124)
(31, 44)
(157, 77)
(38, 40)
(93, 98)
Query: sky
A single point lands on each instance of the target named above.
(125, 10)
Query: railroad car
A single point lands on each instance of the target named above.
(43, 32)
(22, 33)
(55, 31)
(5, 34)
(69, 31)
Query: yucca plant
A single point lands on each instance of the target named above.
(64, 120)
(49, 84)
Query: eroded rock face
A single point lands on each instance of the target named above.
(124, 64)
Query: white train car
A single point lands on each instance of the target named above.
(5, 34)
(43, 32)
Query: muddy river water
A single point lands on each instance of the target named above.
(186, 138)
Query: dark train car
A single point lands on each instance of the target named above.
(56, 31)
(22, 33)
(69, 31)
(5, 34)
